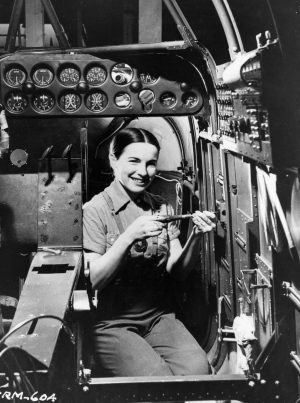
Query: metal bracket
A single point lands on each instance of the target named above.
(264, 281)
(241, 282)
(226, 330)
(240, 241)
(84, 374)
(295, 361)
(291, 293)
(187, 37)
(269, 42)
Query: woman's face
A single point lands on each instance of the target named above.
(136, 166)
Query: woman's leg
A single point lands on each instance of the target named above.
(120, 351)
(178, 348)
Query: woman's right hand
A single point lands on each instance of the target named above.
(145, 227)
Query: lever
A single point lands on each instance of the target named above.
(47, 154)
(67, 152)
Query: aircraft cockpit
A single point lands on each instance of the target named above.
(224, 108)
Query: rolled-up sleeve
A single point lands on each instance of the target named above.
(94, 232)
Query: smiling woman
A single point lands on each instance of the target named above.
(133, 253)
(134, 164)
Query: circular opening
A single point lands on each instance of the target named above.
(122, 100)
(122, 74)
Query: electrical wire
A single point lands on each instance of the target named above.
(24, 379)
(178, 187)
(28, 356)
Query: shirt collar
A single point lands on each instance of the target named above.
(120, 197)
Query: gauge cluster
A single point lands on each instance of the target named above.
(84, 85)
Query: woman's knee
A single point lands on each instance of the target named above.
(199, 366)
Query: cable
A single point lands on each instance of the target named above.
(178, 187)
(24, 352)
(42, 316)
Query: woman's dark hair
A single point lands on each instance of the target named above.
(128, 136)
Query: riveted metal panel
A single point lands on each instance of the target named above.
(59, 203)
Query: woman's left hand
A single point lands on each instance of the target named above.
(204, 222)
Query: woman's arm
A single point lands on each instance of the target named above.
(182, 260)
(103, 268)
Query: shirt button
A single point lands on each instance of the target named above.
(138, 200)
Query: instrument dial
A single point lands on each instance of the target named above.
(96, 101)
(43, 102)
(96, 75)
(190, 99)
(70, 102)
(42, 77)
(148, 78)
(16, 102)
(122, 74)
(122, 99)
(168, 99)
(69, 76)
(15, 77)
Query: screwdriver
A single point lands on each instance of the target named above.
(169, 218)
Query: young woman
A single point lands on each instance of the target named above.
(133, 256)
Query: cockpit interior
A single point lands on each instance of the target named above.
(217, 83)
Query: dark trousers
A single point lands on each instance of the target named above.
(160, 345)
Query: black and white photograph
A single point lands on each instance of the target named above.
(150, 201)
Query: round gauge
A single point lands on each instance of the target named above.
(122, 99)
(96, 75)
(96, 101)
(168, 99)
(189, 99)
(122, 74)
(70, 102)
(42, 77)
(16, 102)
(43, 102)
(148, 78)
(69, 76)
(15, 77)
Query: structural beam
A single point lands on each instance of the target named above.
(150, 21)
(34, 21)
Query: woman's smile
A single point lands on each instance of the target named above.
(136, 166)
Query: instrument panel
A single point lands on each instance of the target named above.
(85, 85)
